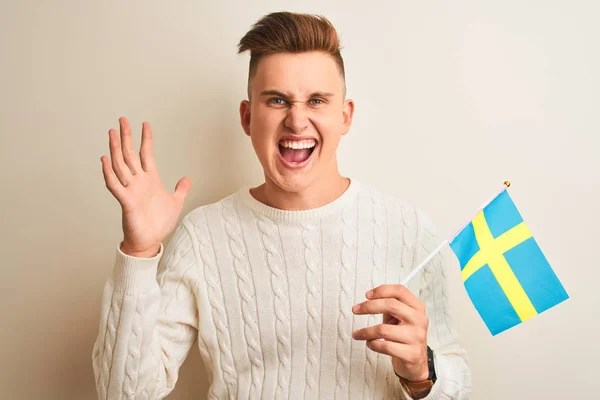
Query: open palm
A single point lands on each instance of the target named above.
(150, 212)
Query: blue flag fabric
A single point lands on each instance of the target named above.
(504, 270)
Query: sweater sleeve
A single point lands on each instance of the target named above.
(148, 321)
(450, 359)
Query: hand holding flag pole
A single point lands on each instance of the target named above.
(504, 272)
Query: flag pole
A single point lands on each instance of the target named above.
(416, 270)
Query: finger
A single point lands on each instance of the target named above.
(391, 306)
(400, 292)
(394, 333)
(182, 188)
(400, 350)
(118, 164)
(129, 154)
(112, 183)
(146, 149)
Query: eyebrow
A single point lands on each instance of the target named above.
(278, 93)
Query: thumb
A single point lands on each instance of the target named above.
(182, 188)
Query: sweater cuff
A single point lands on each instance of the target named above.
(135, 274)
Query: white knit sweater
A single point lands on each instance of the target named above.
(268, 296)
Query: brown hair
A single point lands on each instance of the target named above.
(286, 32)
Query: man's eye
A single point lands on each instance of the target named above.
(277, 101)
(317, 101)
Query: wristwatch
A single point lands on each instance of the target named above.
(420, 389)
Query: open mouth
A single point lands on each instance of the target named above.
(296, 152)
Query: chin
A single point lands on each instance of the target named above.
(293, 182)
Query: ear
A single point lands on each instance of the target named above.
(347, 113)
(245, 116)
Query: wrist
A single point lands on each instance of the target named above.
(150, 252)
(419, 388)
(419, 371)
(423, 376)
(415, 377)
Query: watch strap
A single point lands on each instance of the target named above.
(420, 389)
(417, 390)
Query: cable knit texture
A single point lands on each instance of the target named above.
(313, 309)
(281, 303)
(266, 295)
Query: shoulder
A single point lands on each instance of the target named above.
(198, 217)
(416, 223)
(411, 214)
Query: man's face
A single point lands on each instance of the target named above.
(296, 118)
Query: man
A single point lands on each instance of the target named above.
(291, 289)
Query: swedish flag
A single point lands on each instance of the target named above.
(504, 271)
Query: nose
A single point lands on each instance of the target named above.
(297, 118)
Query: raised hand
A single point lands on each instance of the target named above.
(150, 212)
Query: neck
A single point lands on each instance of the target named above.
(318, 194)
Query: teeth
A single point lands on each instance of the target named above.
(299, 144)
